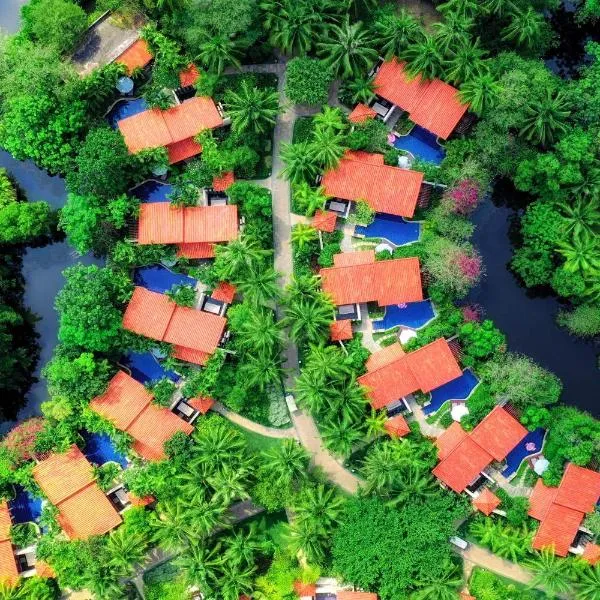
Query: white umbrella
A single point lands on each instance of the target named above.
(459, 411)
(541, 465)
(406, 335)
(125, 85)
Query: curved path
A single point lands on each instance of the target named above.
(236, 418)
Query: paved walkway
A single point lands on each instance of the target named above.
(481, 557)
(236, 418)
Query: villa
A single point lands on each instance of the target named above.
(357, 278)
(465, 456)
(195, 334)
(128, 405)
(433, 105)
(364, 176)
(393, 375)
(67, 479)
(193, 229)
(173, 129)
(561, 511)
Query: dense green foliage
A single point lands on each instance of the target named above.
(307, 81)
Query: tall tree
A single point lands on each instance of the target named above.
(551, 572)
(252, 109)
(300, 165)
(527, 28)
(218, 51)
(546, 118)
(481, 93)
(424, 58)
(396, 32)
(327, 147)
(466, 62)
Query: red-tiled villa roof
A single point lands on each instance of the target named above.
(361, 113)
(340, 331)
(137, 56)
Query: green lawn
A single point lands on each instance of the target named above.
(257, 442)
(502, 587)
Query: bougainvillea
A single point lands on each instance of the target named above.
(21, 439)
(464, 196)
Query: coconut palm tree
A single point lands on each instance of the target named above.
(208, 517)
(216, 447)
(551, 572)
(126, 549)
(327, 362)
(360, 89)
(172, 526)
(464, 8)
(252, 108)
(300, 164)
(453, 31)
(485, 530)
(440, 587)
(219, 51)
(259, 286)
(581, 217)
(312, 391)
(200, 566)
(396, 32)
(262, 370)
(303, 234)
(375, 423)
(229, 484)
(330, 119)
(512, 544)
(352, 400)
(260, 333)
(303, 287)
(526, 28)
(381, 469)
(243, 546)
(347, 49)
(340, 436)
(588, 587)
(238, 257)
(235, 580)
(581, 254)
(498, 7)
(481, 93)
(308, 319)
(309, 538)
(308, 199)
(321, 504)
(424, 58)
(327, 147)
(546, 118)
(287, 462)
(466, 62)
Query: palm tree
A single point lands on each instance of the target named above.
(260, 333)
(238, 257)
(219, 51)
(545, 118)
(375, 423)
(440, 587)
(360, 89)
(320, 504)
(464, 8)
(424, 59)
(453, 31)
(347, 49)
(312, 391)
(173, 527)
(551, 572)
(303, 287)
(126, 549)
(242, 547)
(481, 93)
(300, 165)
(229, 484)
(581, 254)
(303, 234)
(381, 469)
(330, 119)
(327, 147)
(588, 587)
(309, 319)
(526, 28)
(287, 462)
(200, 566)
(498, 7)
(309, 538)
(259, 286)
(216, 447)
(262, 370)
(327, 362)
(252, 108)
(466, 62)
(396, 32)
(235, 580)
(208, 516)
(512, 544)
(308, 199)
(581, 217)
(485, 530)
(340, 436)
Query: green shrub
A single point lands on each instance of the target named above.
(23, 534)
(106, 474)
(183, 295)
(583, 321)
(163, 391)
(303, 129)
(307, 81)
(363, 213)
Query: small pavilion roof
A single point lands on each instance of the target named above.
(221, 182)
(305, 590)
(385, 282)
(449, 439)
(385, 356)
(397, 426)
(140, 501)
(486, 502)
(386, 189)
(361, 113)
(44, 570)
(137, 56)
(189, 75)
(347, 595)
(466, 596)
(591, 553)
(324, 220)
(201, 403)
(224, 292)
(340, 331)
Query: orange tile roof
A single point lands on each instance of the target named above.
(203, 404)
(367, 157)
(346, 595)
(192, 356)
(351, 259)
(137, 56)
(340, 330)
(433, 105)
(397, 426)
(222, 182)
(324, 220)
(197, 250)
(154, 128)
(189, 75)
(462, 465)
(384, 356)
(386, 189)
(5, 521)
(161, 223)
(466, 596)
(486, 502)
(182, 150)
(591, 553)
(140, 501)
(195, 329)
(44, 570)
(224, 292)
(361, 113)
(579, 488)
(449, 439)
(67, 479)
(128, 405)
(558, 529)
(385, 282)
(305, 590)
(9, 574)
(148, 313)
(424, 369)
(541, 499)
(498, 433)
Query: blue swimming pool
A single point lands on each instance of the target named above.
(392, 228)
(421, 144)
(125, 108)
(413, 315)
(152, 191)
(24, 507)
(99, 449)
(145, 368)
(531, 444)
(160, 279)
(457, 389)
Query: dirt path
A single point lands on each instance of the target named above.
(236, 418)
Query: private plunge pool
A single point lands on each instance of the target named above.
(160, 279)
(24, 507)
(145, 368)
(421, 144)
(530, 445)
(457, 389)
(125, 108)
(391, 228)
(413, 315)
(100, 449)
(152, 191)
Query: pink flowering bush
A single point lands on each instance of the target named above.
(470, 266)
(472, 313)
(464, 196)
